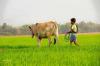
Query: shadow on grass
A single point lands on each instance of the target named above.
(53, 47)
(17, 47)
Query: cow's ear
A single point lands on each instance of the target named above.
(30, 28)
(37, 24)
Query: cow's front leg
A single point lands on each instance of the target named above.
(38, 41)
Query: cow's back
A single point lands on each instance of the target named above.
(43, 28)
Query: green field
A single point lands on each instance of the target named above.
(23, 51)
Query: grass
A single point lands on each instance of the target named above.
(23, 51)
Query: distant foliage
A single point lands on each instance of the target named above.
(24, 30)
(83, 27)
(7, 30)
(63, 28)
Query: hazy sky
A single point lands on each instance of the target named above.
(19, 12)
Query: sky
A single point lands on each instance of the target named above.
(20, 12)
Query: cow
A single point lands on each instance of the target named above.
(45, 30)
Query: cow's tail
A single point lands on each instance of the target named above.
(56, 33)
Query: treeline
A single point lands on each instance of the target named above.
(83, 27)
(9, 30)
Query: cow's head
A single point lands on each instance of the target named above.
(32, 30)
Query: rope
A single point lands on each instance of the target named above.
(66, 37)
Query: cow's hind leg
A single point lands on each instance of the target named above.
(56, 37)
(49, 40)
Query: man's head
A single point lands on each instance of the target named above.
(73, 20)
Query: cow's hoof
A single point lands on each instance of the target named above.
(54, 41)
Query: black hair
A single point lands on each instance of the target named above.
(73, 19)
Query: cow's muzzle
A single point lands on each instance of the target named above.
(32, 34)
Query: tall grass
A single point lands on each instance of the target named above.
(23, 51)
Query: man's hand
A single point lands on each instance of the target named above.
(72, 31)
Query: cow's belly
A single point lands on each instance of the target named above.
(44, 34)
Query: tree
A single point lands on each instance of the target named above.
(24, 30)
(4, 25)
